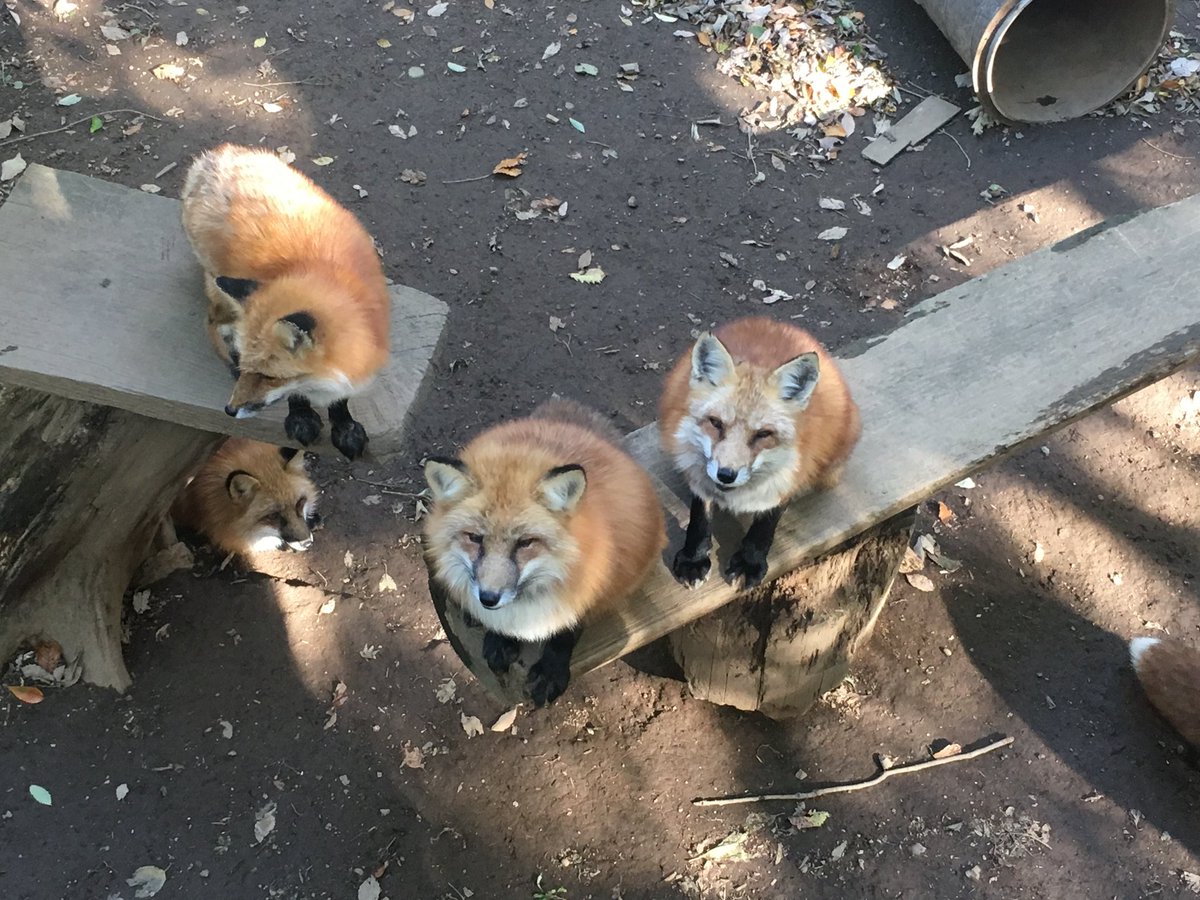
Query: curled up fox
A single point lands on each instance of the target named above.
(753, 415)
(298, 304)
(538, 525)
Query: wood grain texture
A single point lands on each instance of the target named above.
(776, 649)
(104, 303)
(972, 374)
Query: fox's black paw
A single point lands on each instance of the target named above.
(690, 572)
(349, 437)
(547, 680)
(500, 651)
(747, 568)
(302, 425)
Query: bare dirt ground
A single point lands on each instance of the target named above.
(1067, 550)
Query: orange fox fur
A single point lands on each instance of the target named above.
(249, 496)
(1170, 675)
(250, 216)
(807, 444)
(555, 547)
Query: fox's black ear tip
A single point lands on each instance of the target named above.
(288, 453)
(238, 288)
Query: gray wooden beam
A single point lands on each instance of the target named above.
(103, 302)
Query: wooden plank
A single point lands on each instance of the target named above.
(972, 374)
(925, 118)
(103, 302)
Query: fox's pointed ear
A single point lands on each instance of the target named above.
(711, 362)
(241, 485)
(295, 332)
(798, 378)
(447, 478)
(562, 488)
(293, 459)
(239, 289)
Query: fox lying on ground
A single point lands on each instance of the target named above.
(753, 415)
(1170, 675)
(298, 304)
(250, 496)
(539, 524)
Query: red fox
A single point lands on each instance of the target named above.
(298, 304)
(540, 523)
(753, 415)
(1170, 675)
(250, 496)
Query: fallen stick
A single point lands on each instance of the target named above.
(75, 124)
(883, 775)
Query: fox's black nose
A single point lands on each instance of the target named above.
(231, 410)
(489, 599)
(727, 476)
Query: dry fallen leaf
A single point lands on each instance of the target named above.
(944, 513)
(833, 234)
(322, 160)
(920, 582)
(511, 166)
(555, 324)
(148, 880)
(471, 725)
(446, 690)
(506, 720)
(168, 71)
(26, 693)
(948, 750)
(387, 583)
(594, 275)
(11, 168)
(369, 889)
(264, 823)
(413, 757)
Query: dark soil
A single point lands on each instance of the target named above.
(593, 795)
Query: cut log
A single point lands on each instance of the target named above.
(84, 490)
(778, 648)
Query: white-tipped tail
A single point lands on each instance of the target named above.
(1138, 647)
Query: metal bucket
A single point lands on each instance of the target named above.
(1050, 60)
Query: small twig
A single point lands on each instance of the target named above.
(387, 488)
(321, 80)
(599, 144)
(882, 775)
(465, 180)
(1165, 152)
(70, 125)
(960, 146)
(750, 152)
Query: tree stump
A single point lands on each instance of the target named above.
(776, 649)
(83, 490)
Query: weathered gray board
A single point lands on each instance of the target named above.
(972, 374)
(103, 301)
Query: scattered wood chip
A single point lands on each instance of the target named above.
(947, 751)
(833, 234)
(147, 881)
(506, 720)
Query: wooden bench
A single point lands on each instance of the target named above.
(111, 395)
(972, 374)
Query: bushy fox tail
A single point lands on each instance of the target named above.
(1170, 675)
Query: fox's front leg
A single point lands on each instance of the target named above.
(691, 565)
(344, 432)
(500, 651)
(303, 423)
(749, 563)
(550, 675)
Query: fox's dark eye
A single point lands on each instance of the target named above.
(763, 433)
(717, 424)
(526, 542)
(275, 520)
(473, 537)
(300, 504)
